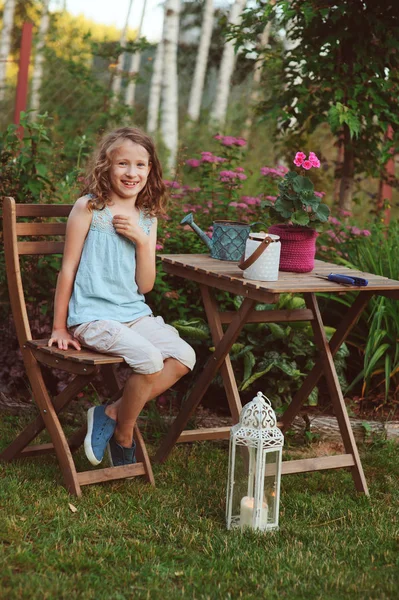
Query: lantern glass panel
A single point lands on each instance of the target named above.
(255, 477)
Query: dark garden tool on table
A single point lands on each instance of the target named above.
(228, 238)
(344, 279)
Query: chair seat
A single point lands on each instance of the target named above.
(69, 360)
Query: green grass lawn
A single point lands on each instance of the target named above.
(128, 540)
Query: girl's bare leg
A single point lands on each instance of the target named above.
(138, 390)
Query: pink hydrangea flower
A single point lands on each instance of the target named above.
(355, 230)
(193, 162)
(228, 140)
(172, 184)
(307, 164)
(240, 142)
(251, 200)
(278, 171)
(208, 157)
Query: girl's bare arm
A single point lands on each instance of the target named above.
(145, 249)
(145, 261)
(77, 227)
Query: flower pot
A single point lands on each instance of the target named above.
(298, 247)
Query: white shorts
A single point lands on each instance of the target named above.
(144, 343)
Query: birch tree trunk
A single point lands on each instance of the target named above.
(169, 98)
(155, 91)
(194, 104)
(348, 173)
(117, 80)
(39, 58)
(255, 92)
(218, 113)
(135, 64)
(5, 43)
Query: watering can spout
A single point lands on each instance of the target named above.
(189, 220)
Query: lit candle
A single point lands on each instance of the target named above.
(247, 511)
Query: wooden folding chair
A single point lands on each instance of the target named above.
(84, 364)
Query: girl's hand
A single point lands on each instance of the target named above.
(127, 227)
(63, 339)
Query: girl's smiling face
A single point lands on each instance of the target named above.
(130, 167)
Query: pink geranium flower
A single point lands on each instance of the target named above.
(307, 164)
(299, 158)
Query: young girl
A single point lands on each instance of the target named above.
(108, 266)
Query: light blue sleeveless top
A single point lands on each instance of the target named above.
(105, 284)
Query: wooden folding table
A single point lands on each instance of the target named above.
(212, 274)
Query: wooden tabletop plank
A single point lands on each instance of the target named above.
(216, 270)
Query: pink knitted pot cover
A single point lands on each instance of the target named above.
(298, 247)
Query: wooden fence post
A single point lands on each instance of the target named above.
(21, 96)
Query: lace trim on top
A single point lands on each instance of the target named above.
(102, 221)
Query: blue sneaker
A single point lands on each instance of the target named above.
(120, 456)
(100, 429)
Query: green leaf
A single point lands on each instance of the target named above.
(302, 184)
(300, 217)
(254, 377)
(322, 213)
(277, 331)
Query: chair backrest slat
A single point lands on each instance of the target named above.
(13, 248)
(43, 210)
(40, 247)
(40, 228)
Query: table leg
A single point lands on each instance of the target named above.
(337, 339)
(336, 393)
(226, 369)
(205, 379)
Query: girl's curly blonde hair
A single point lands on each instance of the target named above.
(151, 199)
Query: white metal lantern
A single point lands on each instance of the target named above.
(253, 486)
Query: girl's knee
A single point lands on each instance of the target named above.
(188, 358)
(152, 363)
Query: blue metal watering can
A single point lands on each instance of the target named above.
(228, 239)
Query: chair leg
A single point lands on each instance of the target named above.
(54, 428)
(142, 455)
(16, 448)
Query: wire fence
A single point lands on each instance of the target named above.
(76, 89)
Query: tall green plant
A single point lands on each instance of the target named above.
(378, 330)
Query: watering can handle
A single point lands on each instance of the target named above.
(244, 264)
